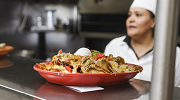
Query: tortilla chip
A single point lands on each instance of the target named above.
(121, 60)
(113, 66)
(102, 63)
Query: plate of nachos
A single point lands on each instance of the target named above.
(87, 68)
(4, 49)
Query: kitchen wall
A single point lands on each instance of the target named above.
(11, 18)
(104, 6)
(15, 12)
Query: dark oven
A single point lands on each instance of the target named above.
(104, 25)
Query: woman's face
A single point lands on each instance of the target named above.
(139, 22)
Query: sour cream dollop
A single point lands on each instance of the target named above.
(83, 51)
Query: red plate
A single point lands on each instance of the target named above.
(77, 79)
(5, 50)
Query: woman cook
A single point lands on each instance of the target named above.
(137, 46)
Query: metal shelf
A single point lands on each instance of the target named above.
(46, 29)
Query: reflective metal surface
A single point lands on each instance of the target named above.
(21, 82)
(4, 62)
(6, 94)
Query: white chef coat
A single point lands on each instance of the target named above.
(121, 47)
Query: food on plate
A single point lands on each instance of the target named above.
(2, 45)
(88, 62)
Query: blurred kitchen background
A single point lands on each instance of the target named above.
(40, 28)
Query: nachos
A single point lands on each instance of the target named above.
(90, 62)
(2, 45)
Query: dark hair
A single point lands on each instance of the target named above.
(152, 15)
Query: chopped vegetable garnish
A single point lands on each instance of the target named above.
(94, 53)
(74, 60)
(68, 68)
(60, 51)
(99, 56)
(137, 68)
(117, 59)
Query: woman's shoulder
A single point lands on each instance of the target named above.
(178, 55)
(118, 39)
(178, 51)
(112, 45)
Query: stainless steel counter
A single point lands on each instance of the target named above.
(19, 81)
